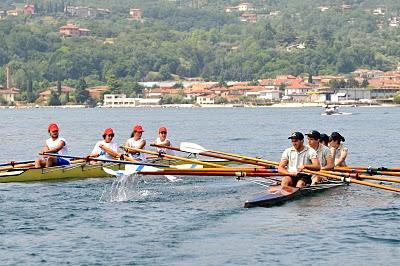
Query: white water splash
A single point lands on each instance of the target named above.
(124, 188)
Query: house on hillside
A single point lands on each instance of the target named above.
(136, 14)
(29, 10)
(97, 92)
(44, 96)
(9, 94)
(72, 30)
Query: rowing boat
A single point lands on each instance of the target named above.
(75, 171)
(275, 195)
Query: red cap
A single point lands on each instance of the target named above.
(52, 127)
(138, 128)
(162, 129)
(108, 131)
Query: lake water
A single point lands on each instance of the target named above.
(199, 220)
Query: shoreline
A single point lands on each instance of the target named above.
(277, 105)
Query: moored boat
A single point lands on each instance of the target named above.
(275, 195)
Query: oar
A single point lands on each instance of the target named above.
(129, 170)
(129, 149)
(351, 180)
(196, 148)
(115, 154)
(104, 160)
(183, 148)
(344, 179)
(358, 176)
(382, 168)
(23, 165)
(13, 163)
(370, 171)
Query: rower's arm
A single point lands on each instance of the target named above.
(342, 158)
(314, 166)
(142, 144)
(330, 163)
(282, 168)
(57, 148)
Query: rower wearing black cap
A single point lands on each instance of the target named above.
(295, 159)
(324, 154)
(338, 151)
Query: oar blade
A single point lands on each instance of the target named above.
(191, 147)
(188, 166)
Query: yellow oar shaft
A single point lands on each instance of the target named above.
(350, 180)
(129, 149)
(377, 178)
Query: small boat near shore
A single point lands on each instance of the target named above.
(333, 110)
(276, 196)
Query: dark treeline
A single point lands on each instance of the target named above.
(194, 39)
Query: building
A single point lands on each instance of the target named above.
(120, 100)
(29, 9)
(351, 95)
(9, 94)
(136, 14)
(271, 95)
(3, 14)
(84, 11)
(45, 95)
(97, 92)
(248, 17)
(205, 99)
(72, 30)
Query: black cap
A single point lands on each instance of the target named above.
(296, 135)
(324, 138)
(314, 134)
(336, 136)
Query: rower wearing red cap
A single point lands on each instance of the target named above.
(106, 148)
(136, 141)
(163, 140)
(54, 144)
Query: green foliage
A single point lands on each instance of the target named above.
(54, 99)
(182, 39)
(81, 94)
(396, 98)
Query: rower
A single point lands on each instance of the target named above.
(295, 159)
(106, 148)
(324, 139)
(339, 152)
(54, 144)
(163, 140)
(136, 141)
(324, 154)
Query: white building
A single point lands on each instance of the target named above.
(120, 100)
(272, 95)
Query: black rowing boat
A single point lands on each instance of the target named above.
(275, 195)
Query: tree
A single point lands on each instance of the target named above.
(364, 83)
(54, 99)
(396, 98)
(81, 94)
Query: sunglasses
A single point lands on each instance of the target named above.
(110, 135)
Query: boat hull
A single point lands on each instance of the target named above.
(75, 171)
(279, 197)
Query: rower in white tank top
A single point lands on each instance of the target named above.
(137, 142)
(163, 140)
